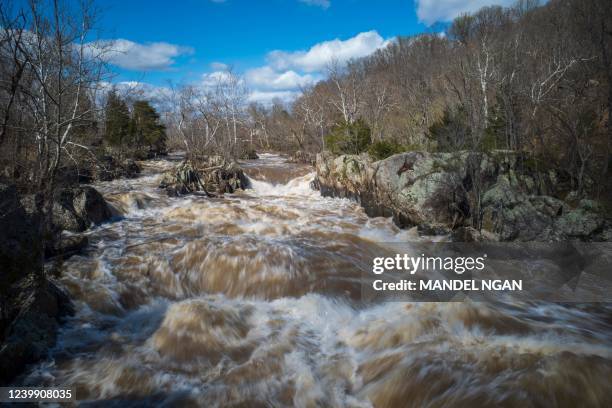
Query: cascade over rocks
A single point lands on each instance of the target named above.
(443, 192)
(213, 176)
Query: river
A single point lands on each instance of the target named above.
(253, 299)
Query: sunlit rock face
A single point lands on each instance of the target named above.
(446, 191)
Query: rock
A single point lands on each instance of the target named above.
(75, 209)
(470, 234)
(30, 306)
(582, 222)
(20, 249)
(33, 313)
(515, 215)
(440, 192)
(212, 176)
(90, 205)
(66, 245)
(415, 188)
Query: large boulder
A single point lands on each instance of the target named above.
(517, 216)
(415, 188)
(212, 176)
(582, 222)
(74, 209)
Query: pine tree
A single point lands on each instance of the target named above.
(146, 127)
(117, 120)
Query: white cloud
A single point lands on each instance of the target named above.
(267, 78)
(218, 66)
(432, 11)
(156, 56)
(319, 55)
(134, 90)
(212, 79)
(319, 3)
(268, 97)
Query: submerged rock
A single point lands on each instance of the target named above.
(442, 192)
(213, 176)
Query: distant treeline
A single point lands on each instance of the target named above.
(530, 78)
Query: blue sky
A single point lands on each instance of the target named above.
(277, 45)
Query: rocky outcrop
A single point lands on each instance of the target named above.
(31, 306)
(446, 192)
(414, 188)
(74, 209)
(212, 176)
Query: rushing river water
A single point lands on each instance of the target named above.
(253, 300)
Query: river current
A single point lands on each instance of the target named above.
(253, 299)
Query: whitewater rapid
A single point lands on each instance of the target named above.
(253, 299)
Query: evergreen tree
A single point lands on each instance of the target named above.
(117, 120)
(146, 127)
(349, 138)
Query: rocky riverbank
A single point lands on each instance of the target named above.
(31, 305)
(450, 193)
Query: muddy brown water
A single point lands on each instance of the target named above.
(252, 300)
